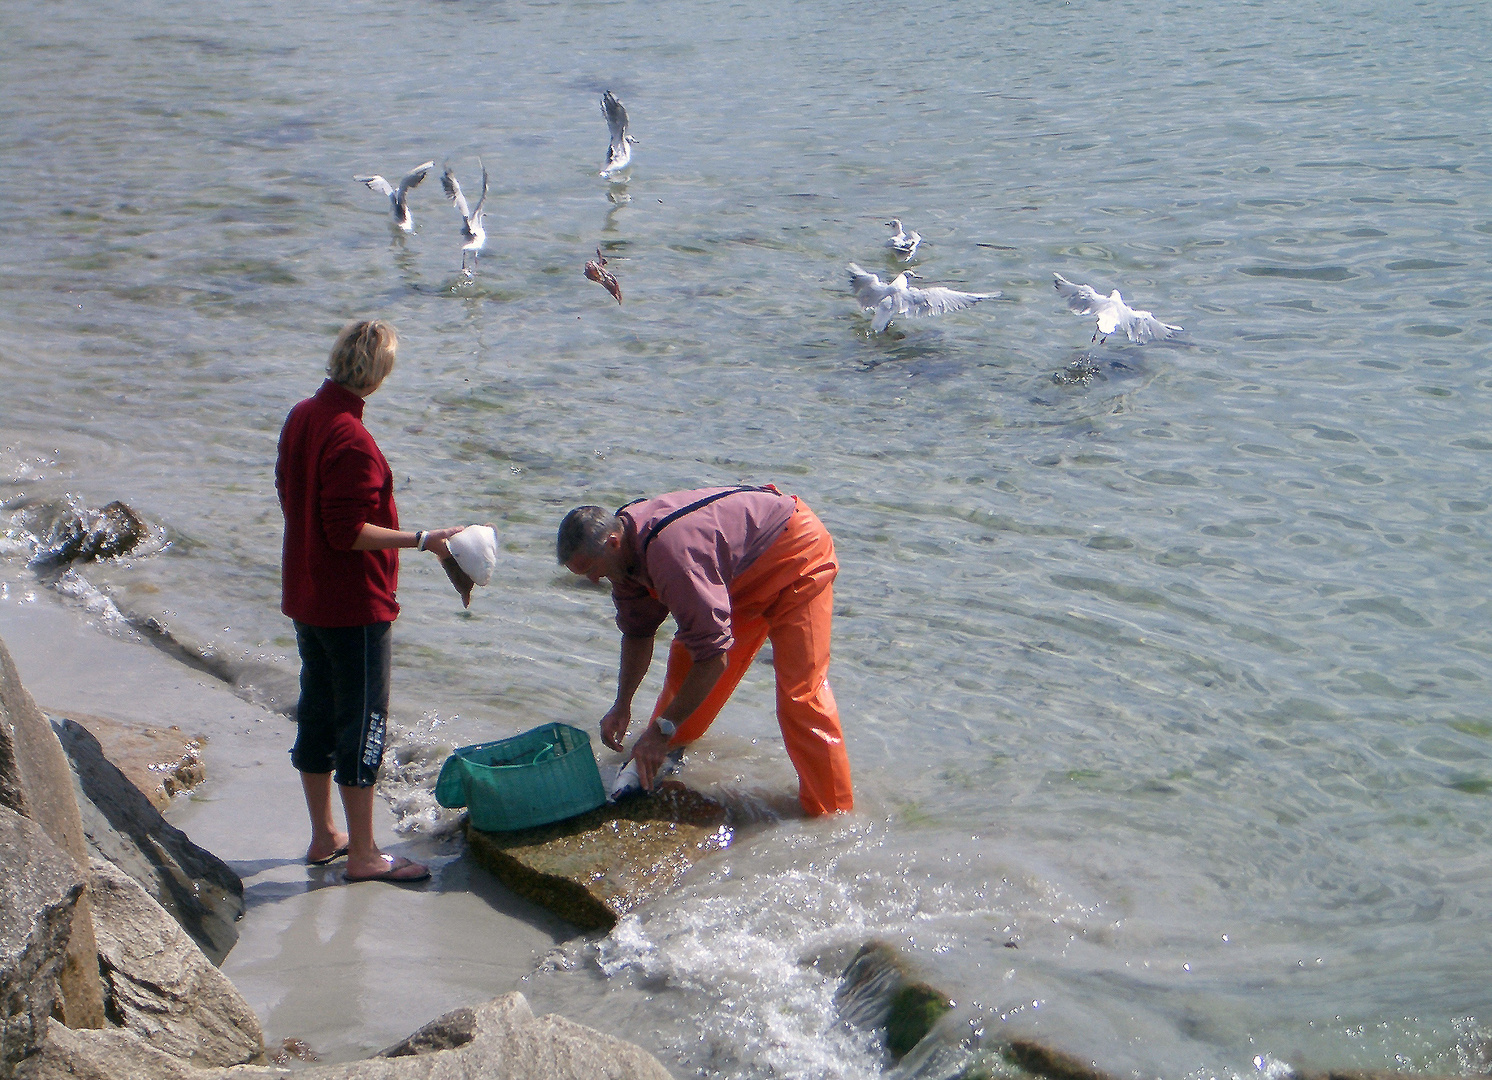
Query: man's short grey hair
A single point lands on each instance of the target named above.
(584, 532)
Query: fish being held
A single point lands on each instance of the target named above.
(594, 270)
(900, 300)
(475, 551)
(397, 195)
(1112, 312)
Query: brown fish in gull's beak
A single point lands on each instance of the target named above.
(594, 270)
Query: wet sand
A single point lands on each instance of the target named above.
(348, 969)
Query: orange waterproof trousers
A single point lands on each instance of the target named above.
(786, 595)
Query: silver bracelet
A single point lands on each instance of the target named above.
(419, 540)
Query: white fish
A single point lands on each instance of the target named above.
(619, 152)
(1113, 313)
(904, 242)
(900, 300)
(471, 220)
(397, 195)
(475, 549)
(628, 781)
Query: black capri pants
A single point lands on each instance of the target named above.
(344, 700)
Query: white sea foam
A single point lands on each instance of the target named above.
(412, 760)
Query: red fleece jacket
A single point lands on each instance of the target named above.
(332, 479)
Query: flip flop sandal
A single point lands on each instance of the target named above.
(397, 872)
(333, 857)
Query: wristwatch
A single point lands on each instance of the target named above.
(667, 727)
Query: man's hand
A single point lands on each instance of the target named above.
(649, 752)
(614, 726)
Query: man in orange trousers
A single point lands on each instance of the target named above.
(735, 567)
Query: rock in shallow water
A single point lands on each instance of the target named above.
(879, 990)
(593, 869)
(72, 533)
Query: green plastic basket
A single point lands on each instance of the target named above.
(547, 774)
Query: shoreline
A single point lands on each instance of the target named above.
(346, 970)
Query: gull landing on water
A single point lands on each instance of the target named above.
(900, 300)
(397, 195)
(471, 220)
(1113, 313)
(904, 242)
(619, 152)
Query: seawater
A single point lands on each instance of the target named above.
(1164, 671)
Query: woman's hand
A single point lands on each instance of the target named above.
(435, 540)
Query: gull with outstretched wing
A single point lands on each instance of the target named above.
(619, 150)
(1112, 313)
(397, 195)
(900, 300)
(472, 230)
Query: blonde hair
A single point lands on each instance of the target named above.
(363, 355)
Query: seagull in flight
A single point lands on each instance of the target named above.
(900, 300)
(1113, 313)
(471, 220)
(397, 195)
(619, 152)
(904, 242)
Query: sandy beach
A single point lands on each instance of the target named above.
(348, 970)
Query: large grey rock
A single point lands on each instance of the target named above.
(501, 1040)
(594, 868)
(40, 780)
(39, 891)
(201, 892)
(160, 986)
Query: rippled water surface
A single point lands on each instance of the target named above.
(1164, 671)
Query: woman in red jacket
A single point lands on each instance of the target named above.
(340, 573)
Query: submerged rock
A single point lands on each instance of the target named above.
(594, 868)
(879, 990)
(1039, 1060)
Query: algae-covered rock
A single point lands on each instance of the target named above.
(594, 868)
(1053, 1064)
(879, 990)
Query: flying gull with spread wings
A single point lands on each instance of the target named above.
(472, 231)
(900, 300)
(619, 151)
(1112, 313)
(397, 195)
